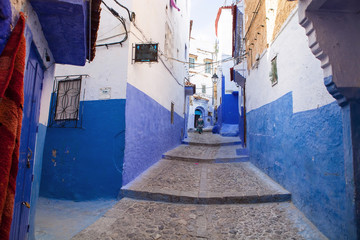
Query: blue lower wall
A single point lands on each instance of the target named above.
(149, 132)
(86, 163)
(35, 188)
(5, 21)
(304, 152)
(230, 108)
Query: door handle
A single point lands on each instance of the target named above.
(29, 155)
(26, 204)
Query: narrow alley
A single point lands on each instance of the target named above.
(203, 189)
(179, 119)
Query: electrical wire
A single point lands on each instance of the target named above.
(122, 21)
(130, 18)
(170, 72)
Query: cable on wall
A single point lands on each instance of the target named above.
(122, 20)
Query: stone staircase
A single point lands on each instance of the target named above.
(203, 189)
(206, 169)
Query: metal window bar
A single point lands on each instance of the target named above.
(66, 110)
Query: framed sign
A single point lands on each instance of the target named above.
(146, 52)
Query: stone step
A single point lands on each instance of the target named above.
(206, 154)
(134, 219)
(209, 139)
(204, 183)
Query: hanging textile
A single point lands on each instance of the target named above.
(12, 66)
(173, 4)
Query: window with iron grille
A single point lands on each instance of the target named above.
(68, 100)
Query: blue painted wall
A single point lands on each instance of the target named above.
(35, 189)
(86, 163)
(229, 108)
(68, 41)
(304, 152)
(149, 132)
(5, 21)
(241, 126)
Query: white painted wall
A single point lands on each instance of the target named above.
(298, 72)
(225, 51)
(225, 32)
(202, 50)
(113, 67)
(109, 68)
(154, 79)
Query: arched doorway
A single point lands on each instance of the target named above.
(199, 112)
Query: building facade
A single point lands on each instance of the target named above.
(130, 110)
(229, 93)
(202, 56)
(44, 48)
(296, 130)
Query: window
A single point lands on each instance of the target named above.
(273, 72)
(172, 113)
(68, 99)
(192, 62)
(207, 67)
(186, 52)
(203, 88)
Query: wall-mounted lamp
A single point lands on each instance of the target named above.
(214, 78)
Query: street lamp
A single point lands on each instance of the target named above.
(214, 78)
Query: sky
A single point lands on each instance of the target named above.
(203, 13)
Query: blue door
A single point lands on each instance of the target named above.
(33, 79)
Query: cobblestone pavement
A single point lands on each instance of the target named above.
(210, 139)
(142, 220)
(194, 153)
(186, 198)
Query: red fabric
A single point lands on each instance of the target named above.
(218, 17)
(12, 66)
(232, 74)
(233, 10)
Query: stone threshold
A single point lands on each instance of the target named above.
(243, 158)
(210, 199)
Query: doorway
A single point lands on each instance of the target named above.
(34, 74)
(198, 114)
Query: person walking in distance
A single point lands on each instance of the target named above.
(200, 125)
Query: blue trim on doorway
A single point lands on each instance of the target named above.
(149, 132)
(86, 163)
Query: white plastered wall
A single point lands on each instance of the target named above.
(154, 79)
(109, 68)
(298, 72)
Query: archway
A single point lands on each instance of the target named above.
(199, 112)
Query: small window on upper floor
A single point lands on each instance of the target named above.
(203, 88)
(172, 112)
(191, 62)
(273, 72)
(207, 67)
